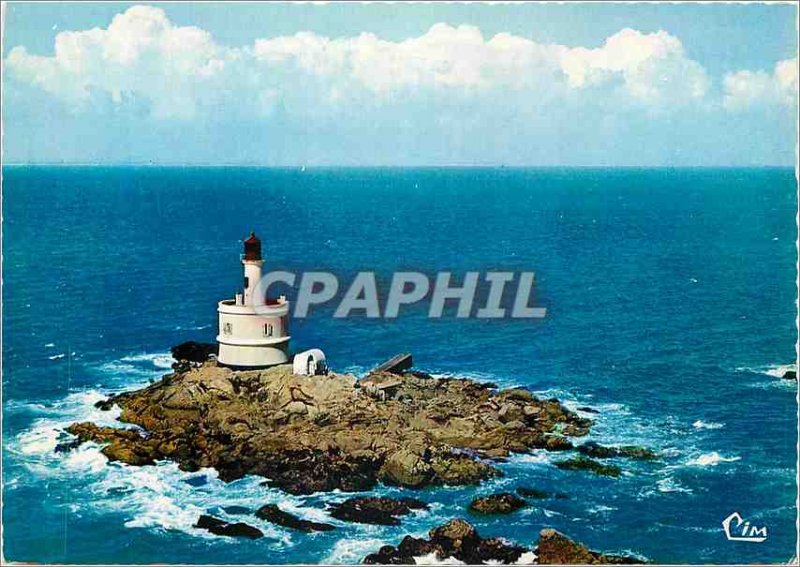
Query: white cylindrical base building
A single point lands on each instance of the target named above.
(252, 339)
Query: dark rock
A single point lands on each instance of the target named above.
(597, 451)
(67, 446)
(587, 409)
(532, 493)
(388, 555)
(220, 527)
(193, 351)
(557, 443)
(375, 510)
(404, 554)
(105, 405)
(498, 551)
(582, 463)
(456, 539)
(790, 375)
(557, 549)
(305, 472)
(274, 514)
(421, 375)
(414, 547)
(502, 503)
(454, 534)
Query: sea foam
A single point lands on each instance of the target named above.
(352, 551)
(711, 459)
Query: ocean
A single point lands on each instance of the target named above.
(671, 307)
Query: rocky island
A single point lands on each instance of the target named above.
(319, 433)
(305, 434)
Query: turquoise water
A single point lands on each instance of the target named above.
(670, 297)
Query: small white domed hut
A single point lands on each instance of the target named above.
(310, 363)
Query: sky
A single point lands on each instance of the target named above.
(400, 84)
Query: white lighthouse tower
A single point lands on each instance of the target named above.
(253, 330)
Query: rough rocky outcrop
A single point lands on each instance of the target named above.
(457, 539)
(581, 463)
(557, 549)
(375, 510)
(272, 513)
(220, 527)
(125, 445)
(319, 433)
(502, 503)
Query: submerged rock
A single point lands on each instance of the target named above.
(322, 433)
(532, 493)
(274, 514)
(582, 463)
(223, 528)
(557, 549)
(502, 503)
(375, 510)
(67, 446)
(597, 451)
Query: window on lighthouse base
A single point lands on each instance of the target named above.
(267, 330)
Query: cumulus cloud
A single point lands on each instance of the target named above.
(140, 54)
(653, 67)
(744, 89)
(181, 70)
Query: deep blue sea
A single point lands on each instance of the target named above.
(671, 309)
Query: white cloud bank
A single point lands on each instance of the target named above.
(744, 89)
(181, 72)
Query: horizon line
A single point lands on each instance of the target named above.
(399, 166)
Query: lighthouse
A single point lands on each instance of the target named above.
(253, 329)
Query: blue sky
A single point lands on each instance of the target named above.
(379, 84)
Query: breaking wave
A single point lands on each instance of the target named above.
(159, 360)
(431, 559)
(711, 459)
(352, 551)
(670, 485)
(774, 370)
